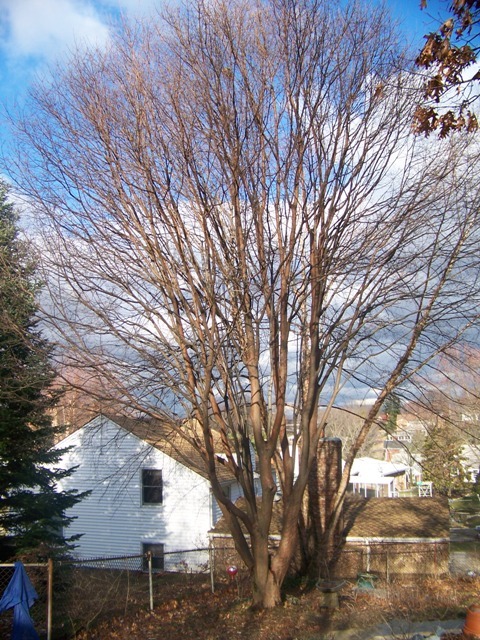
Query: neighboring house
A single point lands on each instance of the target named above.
(410, 426)
(149, 491)
(378, 478)
(377, 535)
(397, 451)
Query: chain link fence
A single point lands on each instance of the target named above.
(39, 577)
(88, 591)
(85, 592)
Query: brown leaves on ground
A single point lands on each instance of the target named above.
(226, 614)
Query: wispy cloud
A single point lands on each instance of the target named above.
(36, 33)
(42, 29)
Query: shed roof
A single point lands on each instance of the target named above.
(396, 517)
(372, 468)
(221, 527)
(381, 518)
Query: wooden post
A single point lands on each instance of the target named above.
(211, 553)
(49, 598)
(150, 578)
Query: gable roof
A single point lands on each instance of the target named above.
(166, 439)
(396, 518)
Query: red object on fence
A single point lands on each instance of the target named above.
(232, 571)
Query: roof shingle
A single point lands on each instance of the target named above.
(396, 517)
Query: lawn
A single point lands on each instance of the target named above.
(466, 511)
(469, 503)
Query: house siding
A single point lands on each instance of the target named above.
(112, 519)
(235, 493)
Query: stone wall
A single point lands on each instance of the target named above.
(388, 560)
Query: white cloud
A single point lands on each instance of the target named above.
(45, 28)
(137, 7)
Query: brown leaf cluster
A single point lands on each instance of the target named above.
(427, 119)
(446, 54)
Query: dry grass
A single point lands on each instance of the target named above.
(200, 615)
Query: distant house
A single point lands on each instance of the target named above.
(149, 491)
(410, 426)
(377, 478)
(471, 461)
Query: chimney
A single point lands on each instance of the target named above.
(323, 484)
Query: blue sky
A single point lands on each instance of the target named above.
(33, 33)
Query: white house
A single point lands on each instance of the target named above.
(471, 461)
(377, 478)
(149, 491)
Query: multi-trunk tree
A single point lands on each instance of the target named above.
(238, 227)
(32, 511)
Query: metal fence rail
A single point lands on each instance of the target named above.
(78, 594)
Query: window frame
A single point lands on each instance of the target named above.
(151, 487)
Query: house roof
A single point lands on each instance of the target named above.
(380, 518)
(369, 470)
(396, 517)
(169, 441)
(221, 527)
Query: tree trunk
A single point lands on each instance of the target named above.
(266, 589)
(265, 581)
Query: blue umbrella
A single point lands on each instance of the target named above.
(20, 595)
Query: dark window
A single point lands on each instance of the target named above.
(227, 490)
(158, 558)
(152, 486)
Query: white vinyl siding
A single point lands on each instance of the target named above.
(234, 492)
(113, 518)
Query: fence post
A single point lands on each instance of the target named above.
(150, 578)
(211, 554)
(49, 598)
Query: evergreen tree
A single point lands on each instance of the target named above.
(442, 460)
(32, 512)
(392, 408)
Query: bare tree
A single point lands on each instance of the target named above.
(346, 422)
(447, 392)
(237, 222)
